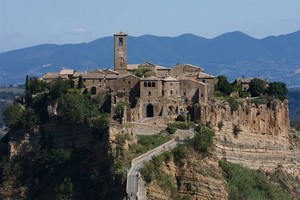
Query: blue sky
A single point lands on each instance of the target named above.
(25, 23)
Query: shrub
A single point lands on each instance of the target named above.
(203, 140)
(119, 109)
(181, 125)
(170, 129)
(249, 184)
(64, 190)
(236, 130)
(181, 118)
(121, 93)
(141, 72)
(259, 100)
(234, 105)
(179, 153)
(220, 125)
(218, 94)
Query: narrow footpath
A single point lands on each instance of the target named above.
(135, 186)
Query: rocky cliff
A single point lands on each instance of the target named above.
(264, 142)
(195, 178)
(22, 141)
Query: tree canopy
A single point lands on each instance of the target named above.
(277, 89)
(257, 87)
(140, 72)
(223, 85)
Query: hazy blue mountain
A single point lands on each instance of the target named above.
(233, 54)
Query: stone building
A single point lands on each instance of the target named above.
(161, 91)
(245, 83)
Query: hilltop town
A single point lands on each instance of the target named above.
(144, 131)
(150, 90)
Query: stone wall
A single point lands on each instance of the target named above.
(194, 91)
(185, 70)
(171, 88)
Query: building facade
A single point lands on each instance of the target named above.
(160, 92)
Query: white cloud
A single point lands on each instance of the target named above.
(78, 30)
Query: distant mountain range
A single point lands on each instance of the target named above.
(234, 54)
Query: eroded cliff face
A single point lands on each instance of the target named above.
(271, 119)
(195, 178)
(264, 141)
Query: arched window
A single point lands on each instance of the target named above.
(149, 84)
(149, 93)
(120, 41)
(145, 84)
(153, 84)
(171, 92)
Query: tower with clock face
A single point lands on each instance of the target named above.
(120, 52)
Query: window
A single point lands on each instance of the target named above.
(171, 92)
(149, 84)
(83, 80)
(203, 81)
(128, 82)
(121, 65)
(163, 92)
(153, 84)
(120, 41)
(201, 95)
(184, 93)
(171, 83)
(145, 84)
(99, 80)
(149, 93)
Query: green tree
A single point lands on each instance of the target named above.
(27, 86)
(257, 87)
(64, 191)
(13, 115)
(223, 85)
(277, 89)
(36, 86)
(72, 108)
(141, 72)
(58, 88)
(29, 118)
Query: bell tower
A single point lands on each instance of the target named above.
(120, 52)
